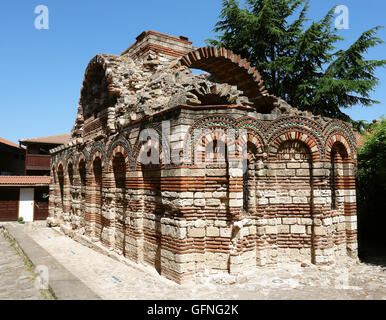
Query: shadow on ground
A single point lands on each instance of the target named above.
(372, 252)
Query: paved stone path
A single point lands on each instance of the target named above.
(16, 281)
(111, 279)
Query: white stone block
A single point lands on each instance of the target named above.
(213, 202)
(218, 194)
(236, 203)
(283, 229)
(199, 202)
(327, 221)
(186, 195)
(300, 200)
(319, 231)
(187, 202)
(212, 232)
(289, 220)
(298, 229)
(351, 218)
(208, 195)
(252, 230)
(196, 232)
(199, 195)
(270, 193)
(351, 226)
(320, 200)
(220, 223)
(306, 221)
(271, 230)
(226, 232)
(199, 223)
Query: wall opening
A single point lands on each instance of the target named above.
(82, 173)
(249, 179)
(294, 205)
(71, 174)
(152, 203)
(119, 170)
(61, 185)
(97, 171)
(338, 155)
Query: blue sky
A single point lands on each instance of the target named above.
(42, 70)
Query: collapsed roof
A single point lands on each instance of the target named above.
(155, 74)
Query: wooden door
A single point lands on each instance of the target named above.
(41, 203)
(9, 204)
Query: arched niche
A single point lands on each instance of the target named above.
(119, 169)
(60, 174)
(95, 98)
(97, 199)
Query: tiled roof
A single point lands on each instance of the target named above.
(9, 143)
(24, 180)
(62, 139)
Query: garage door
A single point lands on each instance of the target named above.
(9, 204)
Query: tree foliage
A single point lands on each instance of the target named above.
(371, 180)
(300, 64)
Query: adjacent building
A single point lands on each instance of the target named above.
(38, 158)
(25, 178)
(12, 158)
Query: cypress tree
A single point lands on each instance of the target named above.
(300, 64)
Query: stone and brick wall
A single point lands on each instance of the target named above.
(236, 185)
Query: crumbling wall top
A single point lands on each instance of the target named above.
(167, 46)
(154, 75)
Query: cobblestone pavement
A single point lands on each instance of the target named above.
(111, 279)
(16, 281)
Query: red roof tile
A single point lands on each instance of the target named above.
(24, 180)
(62, 139)
(9, 143)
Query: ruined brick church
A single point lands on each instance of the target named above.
(188, 171)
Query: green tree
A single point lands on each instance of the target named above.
(371, 182)
(300, 64)
(361, 126)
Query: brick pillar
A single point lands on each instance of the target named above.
(89, 213)
(66, 199)
(75, 200)
(322, 229)
(60, 195)
(137, 211)
(266, 244)
(82, 194)
(98, 199)
(350, 211)
(236, 210)
(108, 211)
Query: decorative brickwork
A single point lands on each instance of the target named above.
(190, 172)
